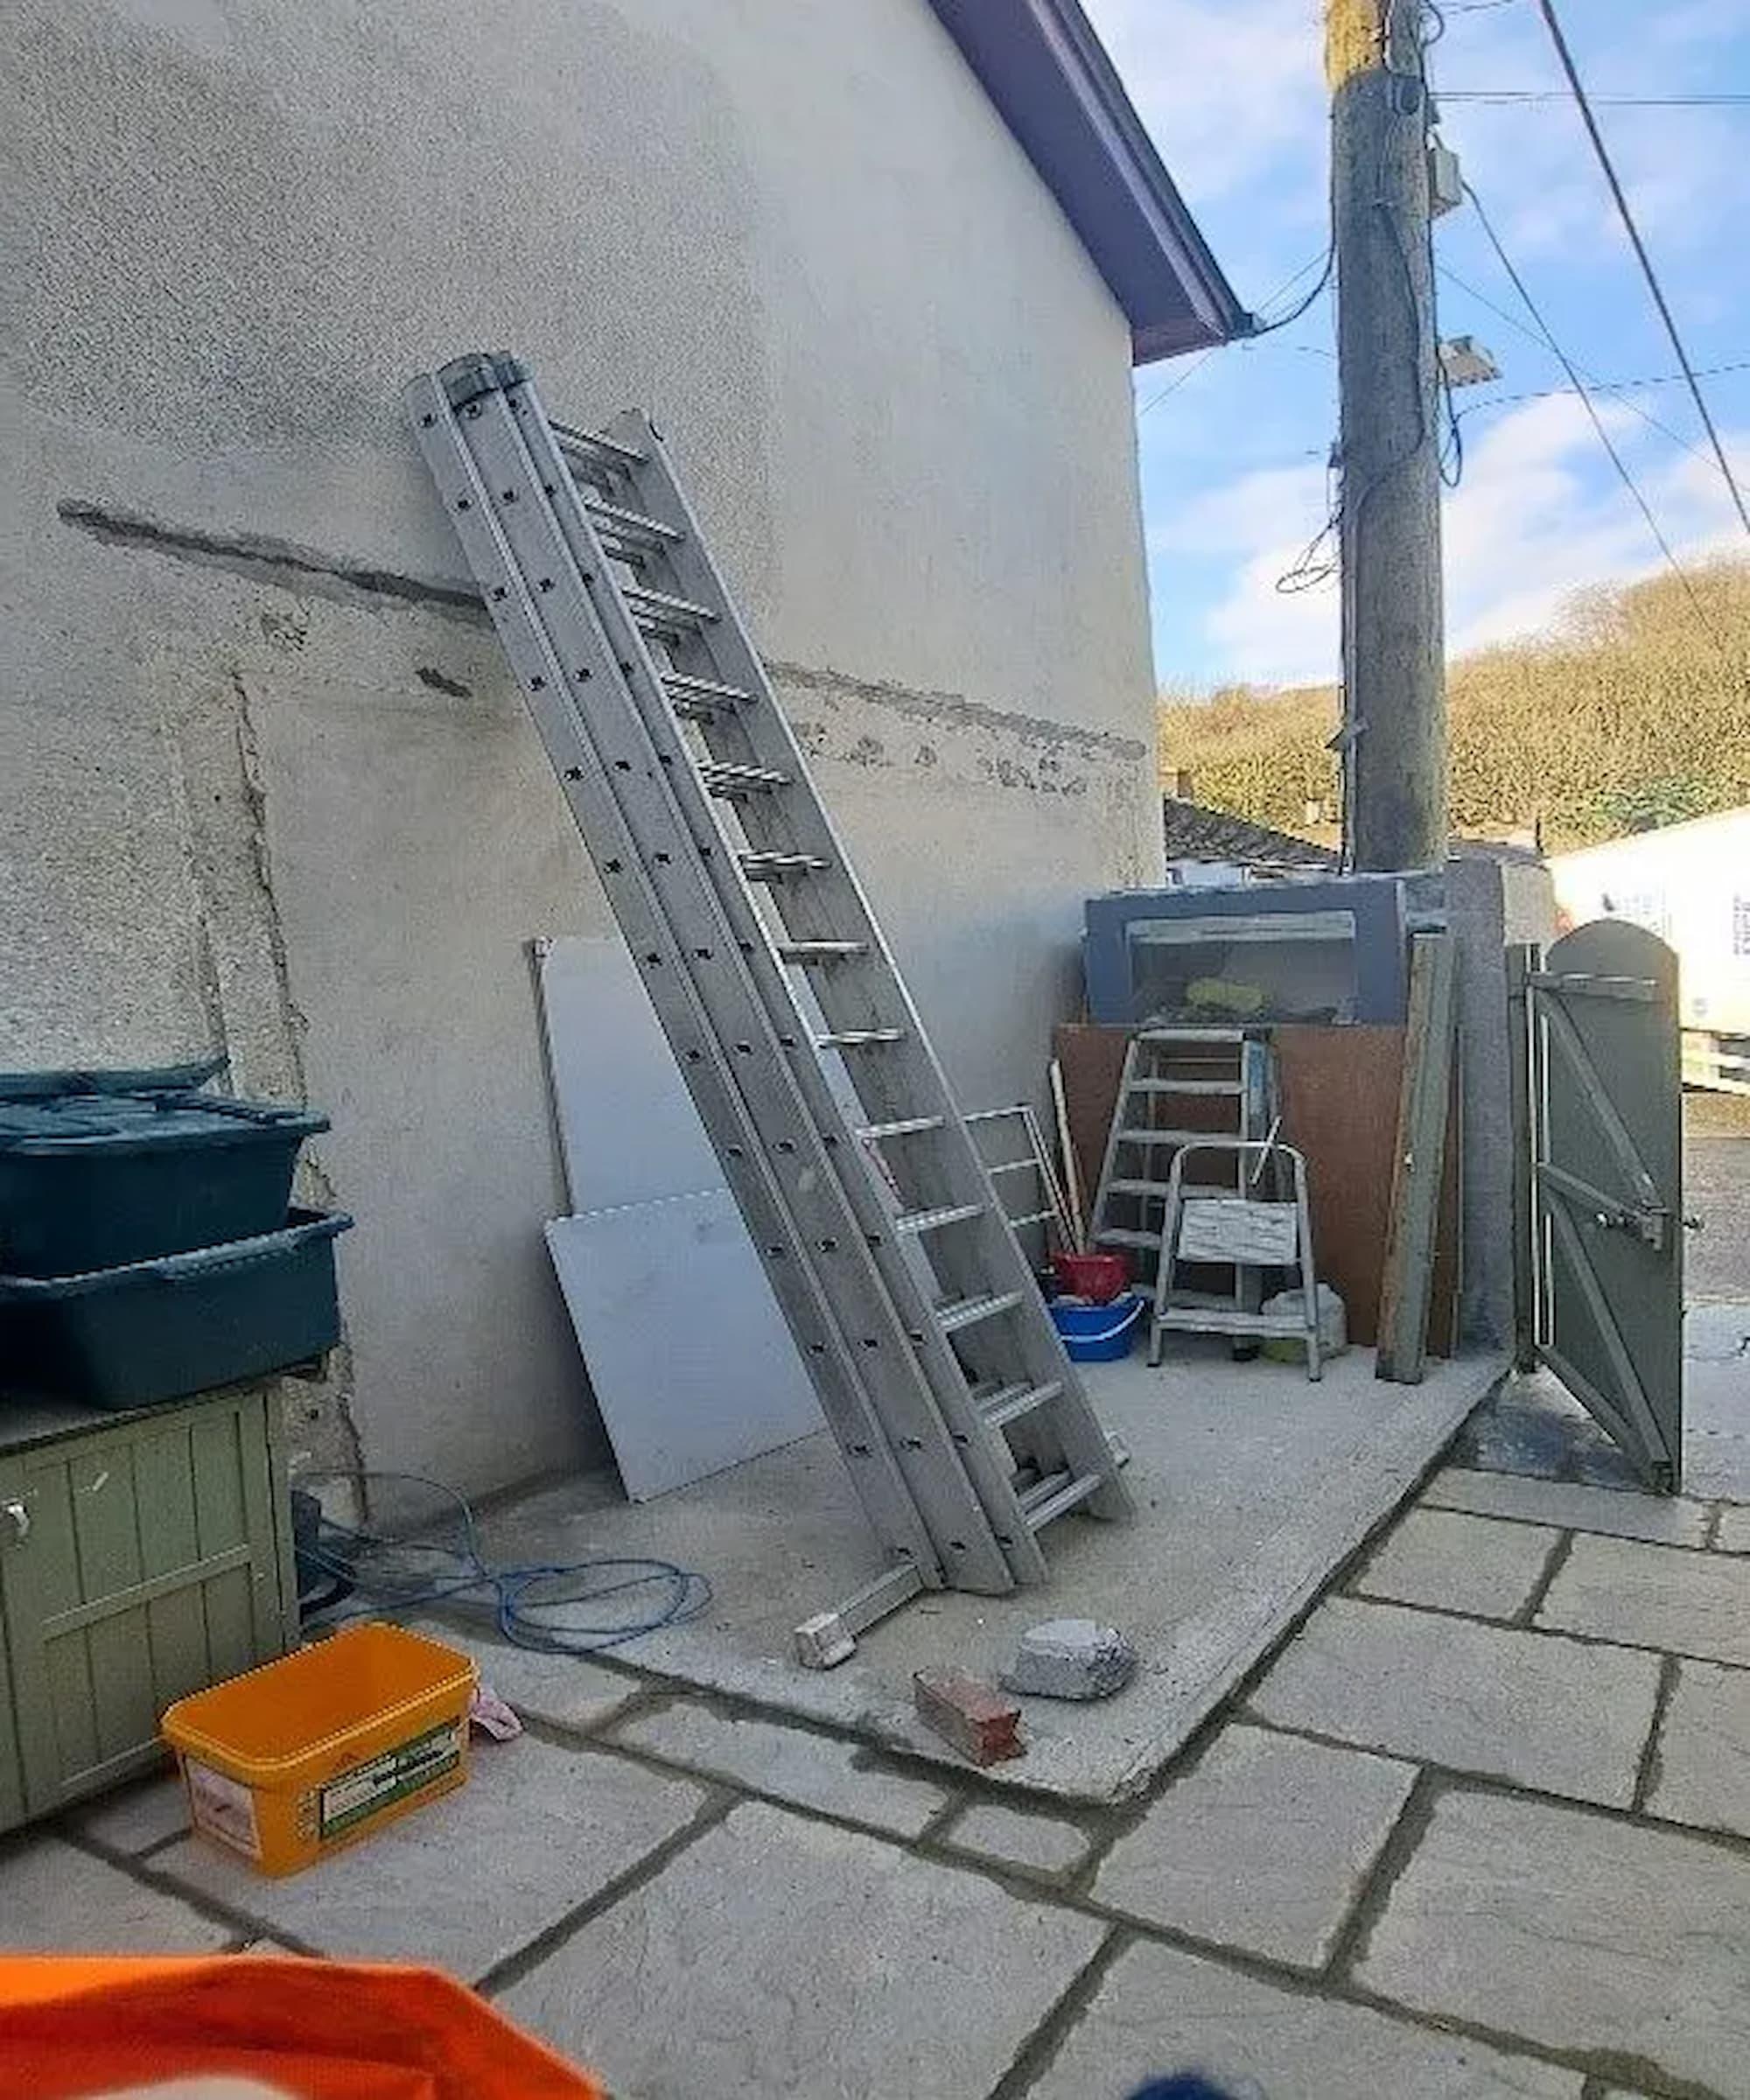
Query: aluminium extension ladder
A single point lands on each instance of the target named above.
(963, 1426)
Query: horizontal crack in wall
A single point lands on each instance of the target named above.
(289, 567)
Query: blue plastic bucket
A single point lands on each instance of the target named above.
(1099, 1333)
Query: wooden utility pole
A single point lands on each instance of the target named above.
(1394, 738)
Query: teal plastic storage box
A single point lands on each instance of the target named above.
(94, 1181)
(158, 1330)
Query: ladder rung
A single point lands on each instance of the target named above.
(858, 1039)
(699, 699)
(1122, 1236)
(1159, 1188)
(1013, 1166)
(1228, 1087)
(591, 443)
(966, 1311)
(1010, 1402)
(663, 613)
(610, 519)
(1134, 1136)
(821, 951)
(1033, 1217)
(933, 1220)
(1055, 1496)
(773, 867)
(907, 1126)
(727, 781)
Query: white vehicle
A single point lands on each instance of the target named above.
(1690, 883)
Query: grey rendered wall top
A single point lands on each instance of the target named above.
(264, 784)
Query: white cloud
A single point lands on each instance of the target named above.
(1227, 91)
(1533, 521)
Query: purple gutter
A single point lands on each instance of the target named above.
(1048, 75)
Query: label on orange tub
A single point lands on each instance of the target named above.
(223, 1807)
(369, 1789)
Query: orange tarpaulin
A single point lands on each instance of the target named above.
(72, 2028)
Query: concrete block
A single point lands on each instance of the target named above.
(463, 1883)
(780, 1955)
(1666, 1520)
(1458, 1564)
(1157, 2008)
(560, 1692)
(1557, 1715)
(1703, 1765)
(1691, 1604)
(1578, 1933)
(1044, 1845)
(815, 1771)
(974, 1716)
(1071, 1659)
(1265, 1846)
(136, 1818)
(56, 1899)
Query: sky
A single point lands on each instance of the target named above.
(1234, 445)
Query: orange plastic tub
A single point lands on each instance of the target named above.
(290, 1762)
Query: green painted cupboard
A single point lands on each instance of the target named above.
(142, 1556)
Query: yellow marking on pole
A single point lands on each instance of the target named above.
(1355, 38)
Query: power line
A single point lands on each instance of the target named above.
(1611, 386)
(1600, 101)
(1546, 8)
(1592, 380)
(1604, 437)
(1269, 328)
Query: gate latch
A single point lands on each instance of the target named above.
(1649, 1223)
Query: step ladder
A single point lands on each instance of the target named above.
(1207, 1226)
(1229, 1074)
(964, 1428)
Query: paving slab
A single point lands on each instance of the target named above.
(1264, 1846)
(780, 1956)
(815, 1771)
(136, 1818)
(1157, 2009)
(1733, 1535)
(467, 1881)
(55, 1899)
(1044, 1845)
(560, 1692)
(1617, 1512)
(1689, 1604)
(1455, 1562)
(1703, 1769)
(1581, 1933)
(1562, 1715)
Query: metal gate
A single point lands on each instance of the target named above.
(1599, 1217)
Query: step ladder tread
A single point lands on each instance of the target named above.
(1229, 1089)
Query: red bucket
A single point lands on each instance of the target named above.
(1098, 1277)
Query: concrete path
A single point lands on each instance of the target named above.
(1481, 1830)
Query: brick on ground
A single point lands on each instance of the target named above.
(1577, 1932)
(1562, 1716)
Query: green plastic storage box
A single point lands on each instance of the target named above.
(158, 1330)
(94, 1181)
